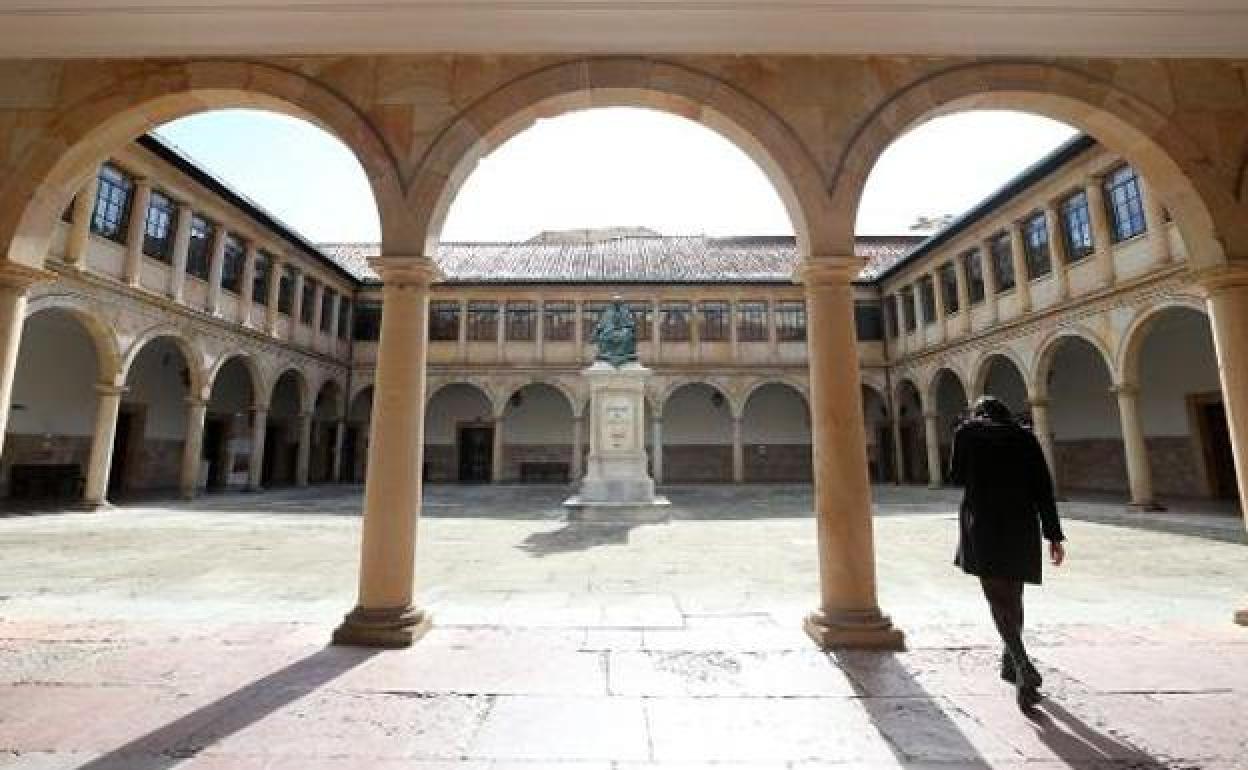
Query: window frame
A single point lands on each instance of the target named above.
(114, 198)
(676, 321)
(445, 319)
(1002, 257)
(559, 321)
(1075, 213)
(714, 319)
(481, 319)
(947, 275)
(752, 321)
(520, 320)
(233, 264)
(1037, 251)
(199, 247)
(1124, 203)
(790, 317)
(160, 247)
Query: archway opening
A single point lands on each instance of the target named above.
(1001, 378)
(911, 433)
(950, 402)
(881, 456)
(538, 435)
(355, 442)
(697, 435)
(153, 423)
(776, 435)
(1086, 430)
(462, 437)
(326, 423)
(227, 443)
(285, 439)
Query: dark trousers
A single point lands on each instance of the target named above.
(1005, 599)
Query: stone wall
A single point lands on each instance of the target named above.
(31, 449)
(778, 462)
(515, 455)
(441, 462)
(696, 462)
(1099, 465)
(153, 465)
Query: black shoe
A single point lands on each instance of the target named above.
(1007, 668)
(1027, 683)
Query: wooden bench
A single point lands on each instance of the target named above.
(534, 472)
(46, 482)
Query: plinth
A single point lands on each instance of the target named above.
(617, 486)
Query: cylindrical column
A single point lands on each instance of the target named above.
(1022, 277)
(193, 447)
(964, 294)
(1043, 431)
(136, 230)
(938, 302)
(15, 280)
(899, 451)
(107, 406)
(656, 449)
(1057, 250)
(259, 432)
(988, 269)
(340, 437)
(738, 451)
(916, 307)
(1102, 239)
(303, 452)
(578, 447)
(1228, 315)
(1139, 474)
(848, 614)
(181, 251)
(1155, 220)
(384, 615)
(80, 222)
(248, 289)
(931, 434)
(216, 269)
(496, 451)
(335, 311)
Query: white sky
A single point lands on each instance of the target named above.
(609, 167)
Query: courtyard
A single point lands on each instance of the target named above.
(194, 636)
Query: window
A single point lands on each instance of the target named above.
(559, 321)
(1036, 245)
(713, 319)
(444, 320)
(791, 321)
(1002, 262)
(948, 274)
(307, 304)
(344, 317)
(199, 252)
(590, 313)
(233, 259)
(327, 310)
(752, 321)
(1126, 205)
(158, 228)
(482, 321)
(522, 321)
(973, 261)
(368, 322)
(286, 290)
(112, 203)
(890, 315)
(674, 321)
(1076, 226)
(641, 317)
(927, 298)
(869, 321)
(260, 280)
(907, 309)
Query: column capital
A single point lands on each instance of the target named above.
(109, 389)
(1127, 389)
(822, 271)
(406, 271)
(1041, 402)
(17, 276)
(259, 409)
(197, 402)
(931, 415)
(1225, 277)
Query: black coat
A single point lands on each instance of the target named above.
(1008, 500)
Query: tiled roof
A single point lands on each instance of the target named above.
(625, 259)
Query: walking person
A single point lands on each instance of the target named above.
(1007, 505)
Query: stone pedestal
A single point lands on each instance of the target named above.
(617, 486)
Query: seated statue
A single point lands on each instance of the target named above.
(616, 334)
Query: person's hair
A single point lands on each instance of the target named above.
(991, 408)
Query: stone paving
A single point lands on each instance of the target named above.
(193, 636)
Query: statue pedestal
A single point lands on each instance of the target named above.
(617, 486)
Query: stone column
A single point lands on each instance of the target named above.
(938, 296)
(931, 435)
(964, 295)
(303, 453)
(903, 343)
(385, 615)
(1057, 250)
(181, 251)
(259, 431)
(107, 407)
(296, 305)
(247, 295)
(734, 341)
(318, 309)
(1139, 474)
(848, 614)
(497, 452)
(276, 268)
(335, 314)
(1102, 240)
(193, 447)
(990, 280)
(136, 230)
(1155, 220)
(578, 447)
(1227, 289)
(80, 222)
(539, 328)
(773, 339)
(340, 436)
(216, 269)
(899, 451)
(656, 449)
(463, 329)
(1043, 431)
(738, 451)
(500, 330)
(1022, 278)
(15, 280)
(916, 307)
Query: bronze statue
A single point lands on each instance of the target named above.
(616, 334)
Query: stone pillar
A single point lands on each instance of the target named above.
(848, 614)
(931, 435)
(259, 431)
(738, 451)
(303, 453)
(916, 307)
(903, 344)
(80, 222)
(964, 295)
(107, 406)
(463, 329)
(276, 268)
(181, 251)
(1227, 290)
(248, 289)
(340, 436)
(656, 449)
(1102, 240)
(296, 305)
(136, 230)
(578, 447)
(1043, 430)
(990, 280)
(385, 615)
(193, 447)
(539, 329)
(1155, 220)
(318, 309)
(899, 451)
(938, 297)
(15, 280)
(335, 314)
(1022, 278)
(216, 269)
(1057, 250)
(1139, 474)
(497, 452)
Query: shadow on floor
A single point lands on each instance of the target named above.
(575, 536)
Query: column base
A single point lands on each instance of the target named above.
(1241, 618)
(94, 507)
(1150, 507)
(854, 630)
(391, 628)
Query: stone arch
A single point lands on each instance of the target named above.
(107, 347)
(301, 388)
(614, 81)
(792, 384)
(574, 403)
(938, 376)
(486, 391)
(337, 392)
(1126, 361)
(983, 367)
(684, 382)
(911, 429)
(1211, 221)
(776, 433)
(87, 131)
(910, 382)
(249, 363)
(1048, 348)
(194, 359)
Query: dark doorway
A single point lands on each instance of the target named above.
(1219, 456)
(350, 446)
(123, 441)
(476, 446)
(215, 452)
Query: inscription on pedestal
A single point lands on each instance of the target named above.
(617, 429)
